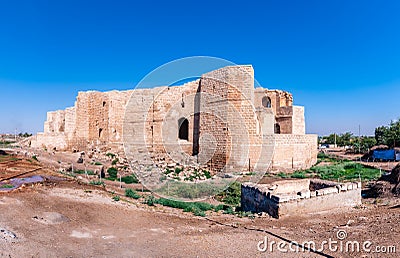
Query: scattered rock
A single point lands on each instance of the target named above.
(51, 218)
(7, 235)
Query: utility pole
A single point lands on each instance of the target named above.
(335, 140)
(359, 138)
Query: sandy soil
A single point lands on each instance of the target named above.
(65, 219)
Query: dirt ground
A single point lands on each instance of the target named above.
(62, 218)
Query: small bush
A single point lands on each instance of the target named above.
(97, 183)
(111, 155)
(207, 174)
(282, 175)
(116, 198)
(6, 186)
(98, 163)
(112, 172)
(229, 210)
(132, 179)
(35, 158)
(150, 200)
(178, 170)
(232, 195)
(114, 162)
(131, 194)
(298, 174)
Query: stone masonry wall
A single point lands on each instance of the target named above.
(228, 127)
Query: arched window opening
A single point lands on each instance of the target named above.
(277, 128)
(183, 125)
(266, 102)
(100, 133)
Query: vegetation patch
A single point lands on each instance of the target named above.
(98, 183)
(232, 195)
(81, 172)
(6, 186)
(111, 155)
(180, 190)
(342, 170)
(112, 173)
(132, 179)
(132, 194)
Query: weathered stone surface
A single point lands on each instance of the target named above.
(230, 125)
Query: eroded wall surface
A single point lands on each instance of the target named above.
(230, 125)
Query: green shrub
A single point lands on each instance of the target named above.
(298, 174)
(111, 155)
(131, 193)
(132, 179)
(114, 162)
(207, 174)
(178, 170)
(6, 186)
(229, 210)
(232, 195)
(97, 183)
(35, 158)
(150, 200)
(81, 172)
(98, 163)
(112, 172)
(116, 198)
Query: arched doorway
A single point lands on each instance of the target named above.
(266, 102)
(183, 125)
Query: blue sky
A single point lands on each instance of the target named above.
(340, 59)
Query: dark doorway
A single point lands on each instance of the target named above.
(277, 128)
(266, 102)
(183, 125)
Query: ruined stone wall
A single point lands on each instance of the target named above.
(295, 197)
(294, 152)
(228, 127)
(298, 121)
(55, 122)
(229, 118)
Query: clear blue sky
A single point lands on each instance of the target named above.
(340, 59)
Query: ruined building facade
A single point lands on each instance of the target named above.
(220, 119)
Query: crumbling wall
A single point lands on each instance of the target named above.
(283, 198)
(228, 126)
(229, 118)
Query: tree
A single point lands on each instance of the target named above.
(388, 135)
(381, 133)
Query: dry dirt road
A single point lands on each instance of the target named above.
(65, 219)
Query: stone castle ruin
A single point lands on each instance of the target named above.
(220, 121)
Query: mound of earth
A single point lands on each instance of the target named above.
(51, 218)
(387, 185)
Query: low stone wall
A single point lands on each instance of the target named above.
(268, 198)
